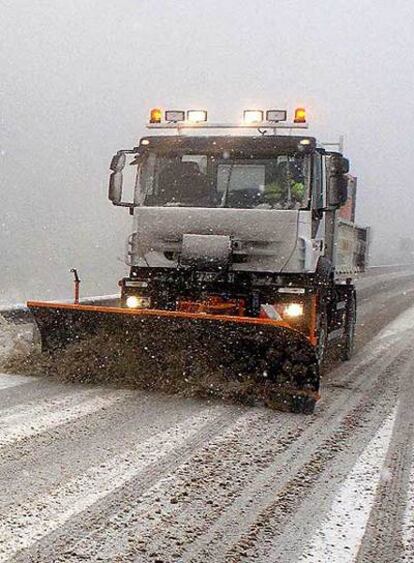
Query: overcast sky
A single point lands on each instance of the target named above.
(77, 78)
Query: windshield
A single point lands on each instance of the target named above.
(206, 180)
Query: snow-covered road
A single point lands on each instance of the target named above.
(98, 474)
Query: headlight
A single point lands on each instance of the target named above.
(293, 310)
(135, 302)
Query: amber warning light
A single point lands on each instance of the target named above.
(155, 115)
(300, 115)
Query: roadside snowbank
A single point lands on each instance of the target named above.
(15, 339)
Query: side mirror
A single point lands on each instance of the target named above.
(116, 178)
(118, 162)
(338, 190)
(115, 187)
(338, 165)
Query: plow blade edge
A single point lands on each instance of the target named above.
(280, 361)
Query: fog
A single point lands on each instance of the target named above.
(77, 80)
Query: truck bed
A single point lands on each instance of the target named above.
(351, 248)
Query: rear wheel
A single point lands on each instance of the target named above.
(350, 320)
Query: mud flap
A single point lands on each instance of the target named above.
(280, 360)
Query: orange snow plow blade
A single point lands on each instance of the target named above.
(277, 359)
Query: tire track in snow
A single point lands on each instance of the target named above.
(339, 538)
(28, 523)
(382, 541)
(27, 420)
(174, 499)
(237, 529)
(408, 519)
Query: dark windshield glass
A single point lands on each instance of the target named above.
(277, 182)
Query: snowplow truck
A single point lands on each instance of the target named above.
(243, 252)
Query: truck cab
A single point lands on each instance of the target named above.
(260, 177)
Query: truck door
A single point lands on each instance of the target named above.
(330, 215)
(318, 194)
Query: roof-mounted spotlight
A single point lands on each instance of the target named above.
(173, 116)
(253, 116)
(276, 115)
(196, 115)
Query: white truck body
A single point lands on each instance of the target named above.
(266, 240)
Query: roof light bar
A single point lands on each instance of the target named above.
(252, 119)
(181, 125)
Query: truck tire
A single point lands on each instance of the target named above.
(347, 348)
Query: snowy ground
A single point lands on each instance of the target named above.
(15, 339)
(91, 473)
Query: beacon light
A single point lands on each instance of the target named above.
(300, 115)
(155, 115)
